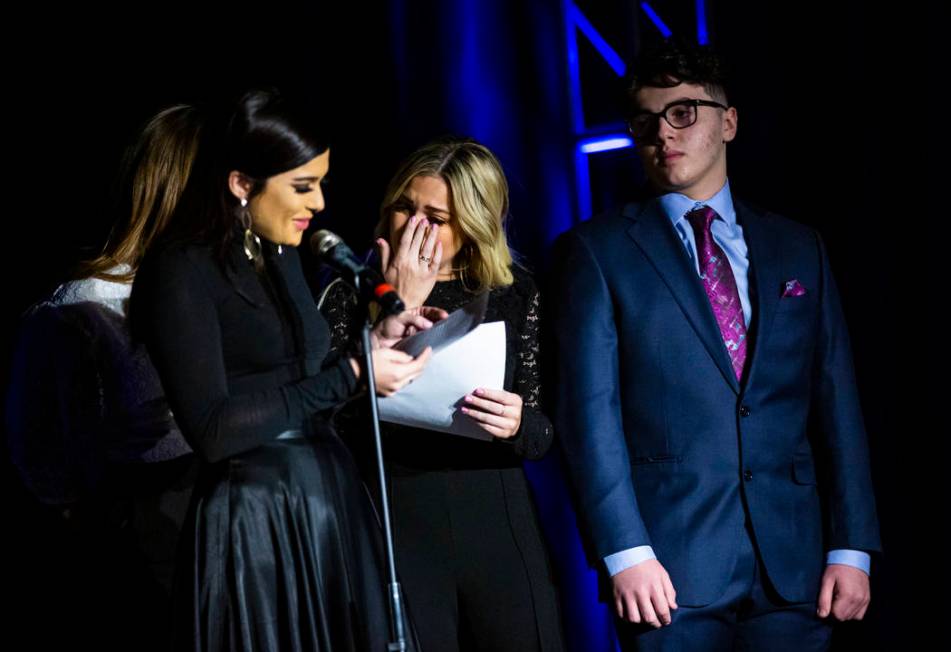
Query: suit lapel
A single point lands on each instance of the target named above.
(656, 237)
(765, 254)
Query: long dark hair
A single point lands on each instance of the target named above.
(155, 171)
(261, 135)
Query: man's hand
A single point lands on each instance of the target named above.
(643, 594)
(844, 593)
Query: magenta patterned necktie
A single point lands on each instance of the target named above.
(718, 281)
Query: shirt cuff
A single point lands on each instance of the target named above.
(854, 558)
(626, 558)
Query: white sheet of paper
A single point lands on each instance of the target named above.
(450, 329)
(432, 401)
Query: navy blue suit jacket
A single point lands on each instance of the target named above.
(666, 448)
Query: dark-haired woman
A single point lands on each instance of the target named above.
(284, 549)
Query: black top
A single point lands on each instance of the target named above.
(242, 356)
(84, 400)
(415, 448)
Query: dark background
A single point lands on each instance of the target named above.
(810, 80)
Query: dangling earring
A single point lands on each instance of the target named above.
(252, 243)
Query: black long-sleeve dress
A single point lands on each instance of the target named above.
(469, 549)
(281, 548)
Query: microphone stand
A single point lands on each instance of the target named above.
(397, 633)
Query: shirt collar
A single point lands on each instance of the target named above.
(676, 205)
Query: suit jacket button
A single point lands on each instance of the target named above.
(747, 475)
(744, 411)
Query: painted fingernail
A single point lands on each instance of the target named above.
(468, 398)
(479, 391)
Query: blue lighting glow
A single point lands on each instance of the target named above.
(703, 38)
(583, 182)
(658, 23)
(606, 51)
(605, 144)
(574, 73)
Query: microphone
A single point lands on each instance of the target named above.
(331, 250)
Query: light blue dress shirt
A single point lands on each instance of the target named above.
(729, 235)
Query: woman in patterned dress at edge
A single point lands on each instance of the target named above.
(282, 549)
(89, 429)
(469, 549)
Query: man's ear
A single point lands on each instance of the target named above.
(729, 124)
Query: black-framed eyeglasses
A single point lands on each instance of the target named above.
(679, 115)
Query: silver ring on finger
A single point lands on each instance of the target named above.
(426, 259)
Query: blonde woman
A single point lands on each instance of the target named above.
(469, 549)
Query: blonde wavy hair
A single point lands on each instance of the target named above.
(155, 172)
(479, 204)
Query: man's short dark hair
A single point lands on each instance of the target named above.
(675, 61)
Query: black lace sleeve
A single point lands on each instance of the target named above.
(535, 435)
(338, 304)
(340, 307)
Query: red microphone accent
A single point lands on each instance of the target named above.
(382, 289)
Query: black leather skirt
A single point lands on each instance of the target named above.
(283, 551)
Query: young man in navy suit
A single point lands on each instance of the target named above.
(706, 399)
